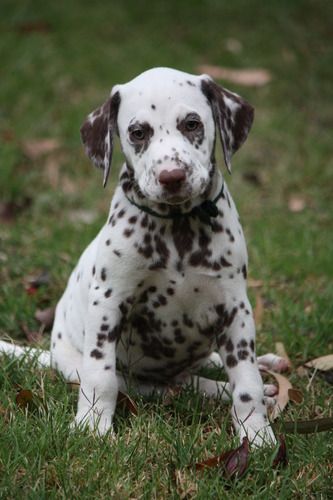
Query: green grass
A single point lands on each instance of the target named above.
(49, 80)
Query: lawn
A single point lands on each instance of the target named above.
(58, 62)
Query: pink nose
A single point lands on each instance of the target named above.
(172, 179)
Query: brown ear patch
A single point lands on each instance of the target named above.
(97, 134)
(233, 117)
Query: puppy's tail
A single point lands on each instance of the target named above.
(42, 357)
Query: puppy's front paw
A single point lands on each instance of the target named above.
(257, 430)
(97, 421)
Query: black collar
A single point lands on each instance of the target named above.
(203, 212)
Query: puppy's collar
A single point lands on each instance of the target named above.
(204, 212)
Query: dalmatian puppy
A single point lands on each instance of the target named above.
(161, 291)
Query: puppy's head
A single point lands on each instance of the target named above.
(166, 121)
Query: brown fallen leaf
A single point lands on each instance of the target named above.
(234, 462)
(250, 77)
(281, 455)
(36, 148)
(125, 402)
(170, 394)
(33, 336)
(24, 399)
(38, 279)
(295, 395)
(237, 463)
(45, 316)
(296, 204)
(301, 371)
(252, 283)
(282, 397)
(323, 363)
(258, 312)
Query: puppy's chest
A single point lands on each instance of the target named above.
(173, 324)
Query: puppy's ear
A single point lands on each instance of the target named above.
(97, 134)
(233, 116)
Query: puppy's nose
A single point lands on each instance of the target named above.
(172, 179)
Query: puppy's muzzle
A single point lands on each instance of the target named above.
(172, 180)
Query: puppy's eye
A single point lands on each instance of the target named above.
(191, 125)
(137, 134)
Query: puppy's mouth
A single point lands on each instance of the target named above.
(176, 200)
(177, 196)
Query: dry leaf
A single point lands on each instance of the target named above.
(37, 280)
(237, 463)
(323, 363)
(296, 204)
(301, 371)
(170, 394)
(36, 148)
(282, 397)
(295, 395)
(124, 401)
(281, 351)
(281, 455)
(250, 77)
(234, 462)
(45, 316)
(251, 283)
(258, 312)
(33, 337)
(24, 399)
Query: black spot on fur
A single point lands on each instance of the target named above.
(229, 346)
(245, 398)
(128, 232)
(242, 354)
(96, 354)
(231, 361)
